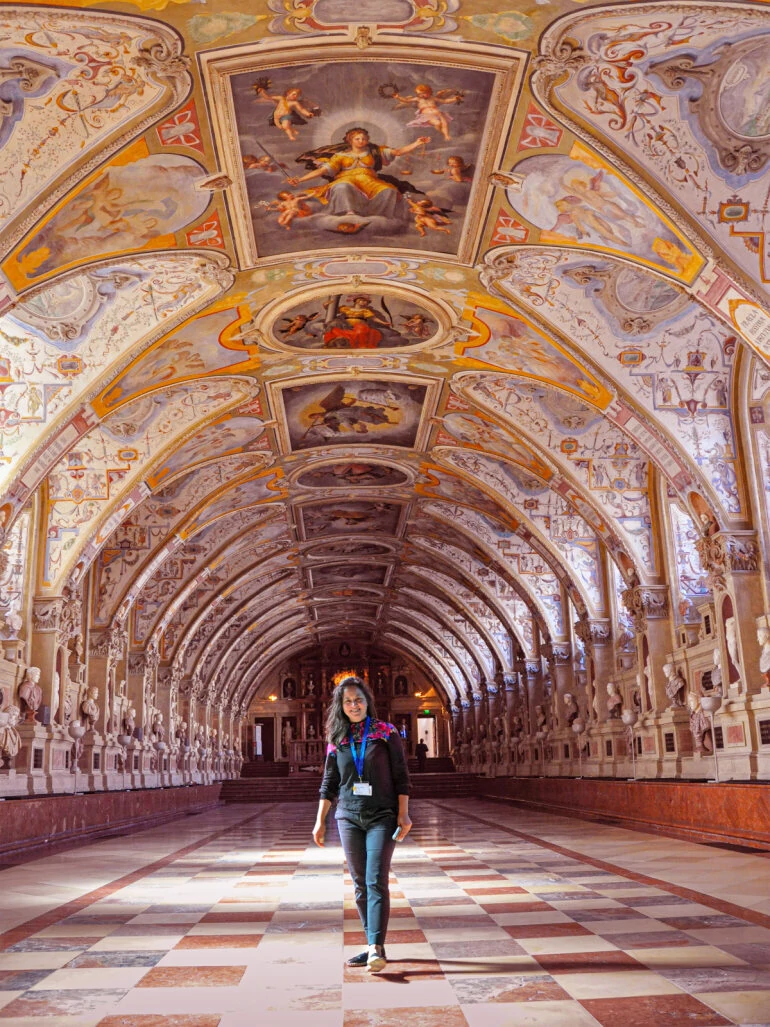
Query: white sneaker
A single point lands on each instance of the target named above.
(376, 960)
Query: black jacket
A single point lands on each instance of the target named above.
(384, 769)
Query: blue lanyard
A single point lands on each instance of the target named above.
(359, 760)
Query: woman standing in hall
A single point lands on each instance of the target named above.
(366, 773)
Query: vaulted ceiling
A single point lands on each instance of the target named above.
(443, 385)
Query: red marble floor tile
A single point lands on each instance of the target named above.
(428, 1016)
(480, 889)
(164, 1020)
(644, 1010)
(402, 937)
(192, 977)
(546, 930)
(219, 941)
(473, 878)
(238, 917)
(445, 900)
(587, 962)
(516, 907)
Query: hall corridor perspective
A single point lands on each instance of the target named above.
(233, 918)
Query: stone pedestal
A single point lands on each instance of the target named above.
(34, 757)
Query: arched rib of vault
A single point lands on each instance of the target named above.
(540, 573)
(483, 625)
(626, 90)
(584, 475)
(445, 631)
(508, 599)
(241, 615)
(83, 506)
(457, 614)
(565, 534)
(211, 573)
(558, 492)
(123, 306)
(413, 650)
(232, 612)
(495, 511)
(249, 650)
(140, 544)
(172, 636)
(472, 660)
(254, 637)
(483, 621)
(672, 365)
(497, 395)
(67, 119)
(459, 546)
(493, 614)
(433, 634)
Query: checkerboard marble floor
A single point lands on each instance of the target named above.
(500, 917)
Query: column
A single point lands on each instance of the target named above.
(733, 564)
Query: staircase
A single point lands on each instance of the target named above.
(433, 765)
(258, 768)
(304, 787)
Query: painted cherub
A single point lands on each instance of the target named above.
(289, 112)
(456, 169)
(290, 206)
(251, 162)
(427, 104)
(297, 323)
(428, 215)
(418, 325)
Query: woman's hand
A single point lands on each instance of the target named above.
(404, 826)
(319, 832)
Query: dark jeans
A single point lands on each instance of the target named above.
(368, 849)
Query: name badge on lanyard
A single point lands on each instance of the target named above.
(360, 787)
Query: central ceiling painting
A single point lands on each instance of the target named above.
(393, 153)
(374, 410)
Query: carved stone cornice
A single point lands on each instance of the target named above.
(46, 613)
(646, 602)
(724, 554)
(594, 632)
(562, 653)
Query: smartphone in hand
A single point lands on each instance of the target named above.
(396, 834)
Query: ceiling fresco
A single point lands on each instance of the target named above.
(433, 325)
